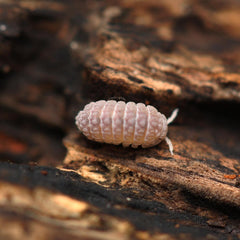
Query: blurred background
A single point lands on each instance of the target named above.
(56, 56)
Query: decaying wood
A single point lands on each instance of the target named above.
(58, 56)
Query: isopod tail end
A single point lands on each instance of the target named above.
(173, 116)
(169, 143)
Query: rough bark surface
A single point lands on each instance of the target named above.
(57, 56)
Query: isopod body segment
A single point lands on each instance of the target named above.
(117, 122)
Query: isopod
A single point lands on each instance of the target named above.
(117, 122)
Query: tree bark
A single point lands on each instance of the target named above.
(58, 56)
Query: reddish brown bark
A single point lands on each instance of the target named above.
(58, 56)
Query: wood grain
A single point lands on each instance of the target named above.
(58, 56)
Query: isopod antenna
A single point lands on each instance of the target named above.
(169, 120)
(173, 116)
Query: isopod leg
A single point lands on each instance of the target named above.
(134, 146)
(169, 143)
(173, 116)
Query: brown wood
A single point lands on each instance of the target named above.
(58, 56)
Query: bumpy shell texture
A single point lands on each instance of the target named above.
(122, 123)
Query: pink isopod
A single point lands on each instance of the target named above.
(117, 122)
